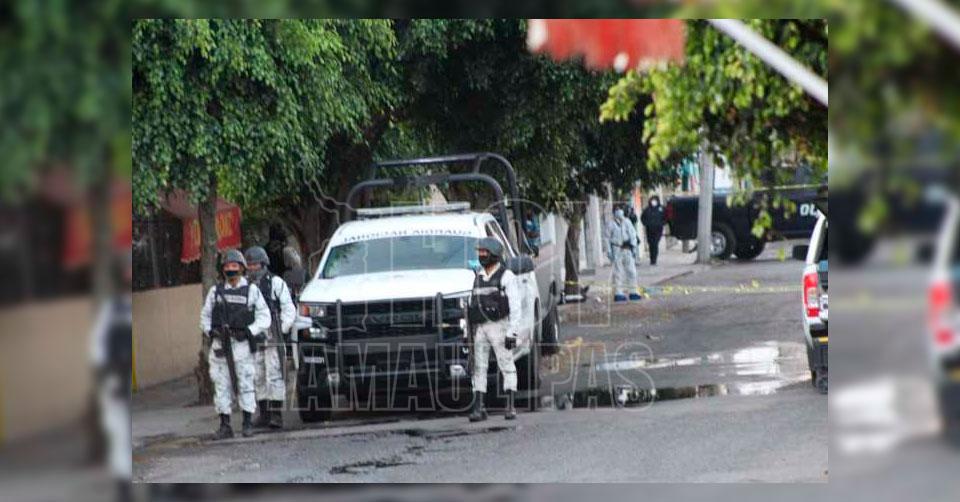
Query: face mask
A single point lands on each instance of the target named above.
(654, 203)
(256, 275)
(619, 214)
(231, 273)
(488, 260)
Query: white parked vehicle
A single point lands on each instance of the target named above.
(388, 300)
(944, 318)
(815, 310)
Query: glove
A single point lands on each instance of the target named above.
(511, 341)
(260, 339)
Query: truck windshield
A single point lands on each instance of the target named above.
(400, 253)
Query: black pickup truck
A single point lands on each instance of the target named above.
(733, 224)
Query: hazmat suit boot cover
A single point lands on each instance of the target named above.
(276, 414)
(225, 431)
(247, 430)
(479, 413)
(511, 413)
(263, 415)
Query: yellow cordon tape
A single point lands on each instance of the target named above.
(750, 289)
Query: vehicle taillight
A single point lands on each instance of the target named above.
(941, 298)
(668, 214)
(811, 294)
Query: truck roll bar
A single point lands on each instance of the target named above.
(477, 160)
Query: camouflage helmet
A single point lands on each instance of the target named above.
(492, 246)
(233, 255)
(256, 254)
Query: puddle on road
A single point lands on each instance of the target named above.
(757, 370)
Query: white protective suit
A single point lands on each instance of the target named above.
(493, 334)
(619, 231)
(268, 377)
(223, 397)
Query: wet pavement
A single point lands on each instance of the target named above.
(704, 380)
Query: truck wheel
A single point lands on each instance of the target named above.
(314, 401)
(550, 333)
(722, 241)
(751, 249)
(528, 371)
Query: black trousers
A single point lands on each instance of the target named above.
(653, 242)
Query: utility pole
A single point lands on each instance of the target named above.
(705, 209)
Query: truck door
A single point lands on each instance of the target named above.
(527, 281)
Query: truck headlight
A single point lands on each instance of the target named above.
(313, 310)
(318, 333)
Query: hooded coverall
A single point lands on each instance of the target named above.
(622, 241)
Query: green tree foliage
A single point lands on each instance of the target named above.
(251, 102)
(755, 121)
(474, 86)
(65, 100)
(722, 93)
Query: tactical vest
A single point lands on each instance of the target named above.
(489, 302)
(266, 289)
(273, 305)
(231, 308)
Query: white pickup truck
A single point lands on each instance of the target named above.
(388, 305)
(815, 300)
(944, 318)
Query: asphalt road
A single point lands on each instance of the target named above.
(722, 348)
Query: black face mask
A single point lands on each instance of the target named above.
(488, 260)
(231, 273)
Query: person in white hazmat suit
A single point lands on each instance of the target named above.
(269, 358)
(233, 315)
(622, 243)
(495, 312)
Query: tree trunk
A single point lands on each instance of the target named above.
(208, 274)
(208, 237)
(571, 285)
(103, 256)
(705, 207)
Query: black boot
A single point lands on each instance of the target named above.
(247, 430)
(263, 415)
(276, 414)
(225, 431)
(479, 413)
(511, 412)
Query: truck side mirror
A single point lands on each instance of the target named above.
(520, 265)
(800, 252)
